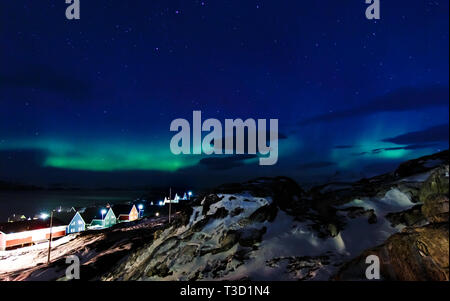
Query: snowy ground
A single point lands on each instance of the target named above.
(29, 263)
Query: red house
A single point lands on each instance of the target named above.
(29, 232)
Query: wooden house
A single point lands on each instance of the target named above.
(126, 213)
(74, 221)
(96, 217)
(29, 232)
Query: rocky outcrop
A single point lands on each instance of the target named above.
(415, 254)
(422, 164)
(409, 217)
(301, 267)
(354, 212)
(435, 208)
(434, 195)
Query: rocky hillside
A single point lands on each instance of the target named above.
(271, 229)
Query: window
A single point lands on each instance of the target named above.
(79, 222)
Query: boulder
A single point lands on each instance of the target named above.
(409, 217)
(436, 184)
(354, 212)
(435, 208)
(434, 195)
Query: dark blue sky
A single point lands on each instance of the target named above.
(89, 102)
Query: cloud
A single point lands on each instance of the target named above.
(45, 78)
(281, 136)
(315, 165)
(411, 147)
(359, 154)
(432, 134)
(226, 162)
(406, 147)
(405, 99)
(343, 146)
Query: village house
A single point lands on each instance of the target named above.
(16, 218)
(29, 232)
(96, 217)
(126, 213)
(75, 223)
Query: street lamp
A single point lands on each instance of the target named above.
(140, 207)
(189, 194)
(103, 213)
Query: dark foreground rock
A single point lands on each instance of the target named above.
(415, 254)
(409, 217)
(434, 195)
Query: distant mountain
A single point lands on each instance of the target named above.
(10, 186)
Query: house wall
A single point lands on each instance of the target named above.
(76, 225)
(123, 218)
(133, 214)
(28, 237)
(2, 241)
(110, 219)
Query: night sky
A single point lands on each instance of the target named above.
(89, 102)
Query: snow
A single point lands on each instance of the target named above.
(245, 201)
(396, 198)
(29, 256)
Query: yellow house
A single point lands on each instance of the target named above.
(126, 213)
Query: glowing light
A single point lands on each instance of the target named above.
(140, 206)
(44, 216)
(104, 155)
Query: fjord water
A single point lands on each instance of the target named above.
(30, 203)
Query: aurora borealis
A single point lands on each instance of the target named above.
(89, 102)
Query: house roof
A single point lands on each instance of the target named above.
(65, 217)
(76, 209)
(28, 225)
(122, 209)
